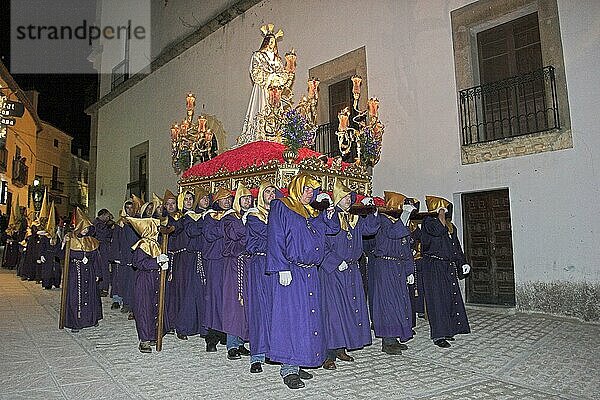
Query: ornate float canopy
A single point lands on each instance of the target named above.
(254, 162)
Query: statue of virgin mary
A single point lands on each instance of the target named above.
(266, 70)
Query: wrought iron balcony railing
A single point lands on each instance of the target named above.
(20, 172)
(3, 159)
(511, 107)
(326, 142)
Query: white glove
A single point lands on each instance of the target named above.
(162, 258)
(407, 209)
(343, 266)
(38, 261)
(367, 201)
(285, 278)
(323, 196)
(410, 279)
(466, 269)
(164, 265)
(42, 259)
(117, 262)
(84, 260)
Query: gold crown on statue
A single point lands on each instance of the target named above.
(268, 29)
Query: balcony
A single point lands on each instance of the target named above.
(3, 159)
(326, 142)
(20, 172)
(508, 108)
(57, 185)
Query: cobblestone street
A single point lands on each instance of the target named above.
(508, 356)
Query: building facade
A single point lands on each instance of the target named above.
(18, 146)
(489, 103)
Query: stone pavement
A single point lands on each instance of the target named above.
(508, 356)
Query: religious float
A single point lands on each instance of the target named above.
(278, 136)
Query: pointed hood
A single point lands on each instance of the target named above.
(240, 192)
(295, 189)
(137, 204)
(145, 207)
(347, 221)
(43, 215)
(147, 228)
(15, 214)
(263, 211)
(168, 195)
(434, 203)
(82, 243)
(393, 200)
(51, 224)
(221, 193)
(199, 193)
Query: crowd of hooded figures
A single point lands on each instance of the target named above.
(300, 284)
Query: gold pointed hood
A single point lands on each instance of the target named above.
(434, 203)
(263, 211)
(347, 220)
(240, 192)
(147, 228)
(83, 243)
(137, 204)
(51, 224)
(295, 189)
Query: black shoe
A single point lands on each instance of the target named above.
(243, 351)
(256, 367)
(233, 354)
(450, 339)
(293, 381)
(442, 343)
(125, 309)
(145, 347)
(171, 332)
(329, 364)
(115, 306)
(74, 330)
(211, 347)
(182, 337)
(402, 346)
(153, 343)
(131, 317)
(304, 375)
(391, 349)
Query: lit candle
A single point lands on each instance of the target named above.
(190, 101)
(201, 123)
(313, 87)
(356, 81)
(290, 61)
(373, 105)
(174, 132)
(184, 126)
(343, 118)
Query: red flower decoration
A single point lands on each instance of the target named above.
(251, 154)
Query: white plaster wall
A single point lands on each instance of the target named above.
(411, 69)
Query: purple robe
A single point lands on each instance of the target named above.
(442, 256)
(296, 244)
(145, 304)
(347, 322)
(417, 293)
(52, 267)
(391, 263)
(11, 256)
(123, 278)
(103, 233)
(178, 258)
(235, 319)
(191, 300)
(213, 267)
(259, 286)
(83, 307)
(31, 269)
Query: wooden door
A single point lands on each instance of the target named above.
(488, 247)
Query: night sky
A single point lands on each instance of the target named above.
(63, 98)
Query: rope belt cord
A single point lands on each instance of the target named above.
(200, 267)
(391, 258)
(259, 254)
(305, 265)
(241, 263)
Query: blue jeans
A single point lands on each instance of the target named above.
(331, 354)
(117, 299)
(234, 342)
(257, 358)
(287, 369)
